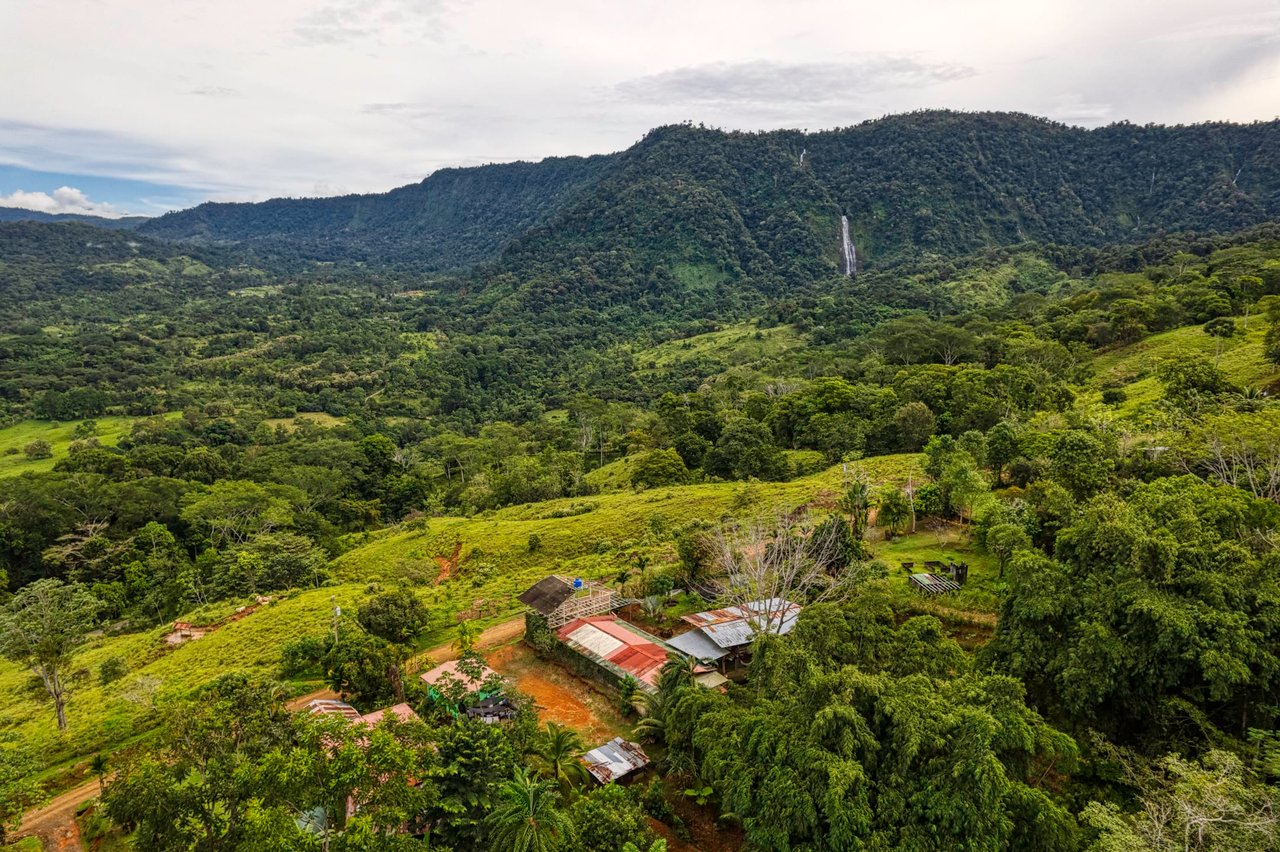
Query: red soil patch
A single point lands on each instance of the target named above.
(560, 697)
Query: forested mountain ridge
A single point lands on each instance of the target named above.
(19, 214)
(454, 218)
(704, 205)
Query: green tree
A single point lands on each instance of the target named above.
(476, 760)
(1004, 540)
(1189, 806)
(232, 512)
(396, 616)
(196, 787)
(895, 510)
(1080, 462)
(1150, 616)
(527, 818)
(856, 502)
(556, 754)
(657, 468)
(744, 450)
(357, 784)
(607, 819)
(364, 667)
(42, 628)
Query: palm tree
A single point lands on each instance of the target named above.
(526, 818)
(556, 757)
(856, 502)
(98, 766)
(677, 673)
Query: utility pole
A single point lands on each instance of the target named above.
(337, 613)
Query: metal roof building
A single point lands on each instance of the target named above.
(719, 632)
(614, 760)
(610, 641)
(561, 600)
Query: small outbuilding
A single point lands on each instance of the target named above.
(561, 600)
(615, 760)
(491, 710)
(933, 584)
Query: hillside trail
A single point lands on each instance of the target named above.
(55, 823)
(499, 634)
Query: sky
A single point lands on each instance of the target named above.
(139, 106)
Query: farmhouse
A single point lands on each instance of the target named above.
(721, 634)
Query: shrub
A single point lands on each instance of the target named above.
(111, 669)
(38, 449)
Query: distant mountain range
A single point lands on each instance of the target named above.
(18, 214)
(704, 205)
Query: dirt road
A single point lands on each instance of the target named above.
(55, 823)
(499, 634)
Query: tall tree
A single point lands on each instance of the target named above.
(43, 626)
(527, 817)
(556, 755)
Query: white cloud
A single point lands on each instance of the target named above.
(64, 199)
(242, 99)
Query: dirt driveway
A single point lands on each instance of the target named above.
(55, 823)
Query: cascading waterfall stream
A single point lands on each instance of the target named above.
(847, 249)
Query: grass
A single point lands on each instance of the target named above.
(744, 343)
(317, 418)
(1133, 367)
(13, 461)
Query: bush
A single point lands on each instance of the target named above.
(111, 669)
(608, 818)
(302, 654)
(38, 449)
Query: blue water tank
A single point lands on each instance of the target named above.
(577, 582)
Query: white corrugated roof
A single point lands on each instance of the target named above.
(595, 640)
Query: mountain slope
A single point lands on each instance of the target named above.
(704, 206)
(454, 218)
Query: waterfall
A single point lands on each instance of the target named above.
(847, 249)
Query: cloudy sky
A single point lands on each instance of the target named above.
(142, 106)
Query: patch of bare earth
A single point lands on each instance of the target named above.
(560, 697)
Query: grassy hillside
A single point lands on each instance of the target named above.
(734, 345)
(497, 565)
(1132, 368)
(13, 439)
